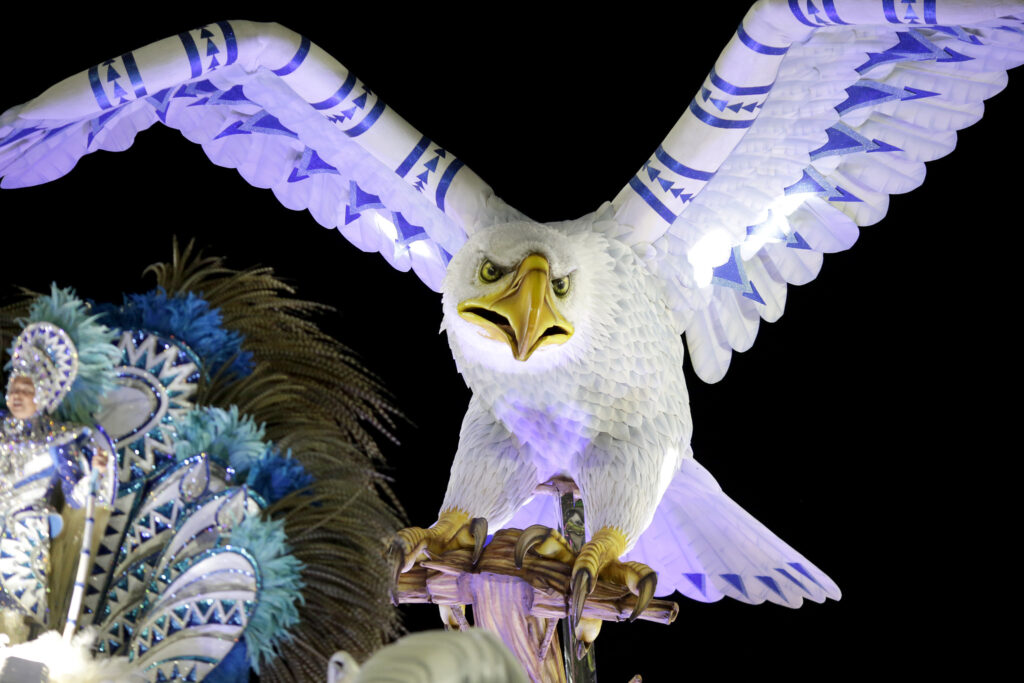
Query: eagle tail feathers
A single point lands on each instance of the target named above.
(704, 545)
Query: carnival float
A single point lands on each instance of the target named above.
(811, 118)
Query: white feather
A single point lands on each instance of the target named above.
(73, 662)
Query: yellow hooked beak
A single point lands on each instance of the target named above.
(523, 313)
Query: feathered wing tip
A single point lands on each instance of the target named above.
(96, 355)
(704, 545)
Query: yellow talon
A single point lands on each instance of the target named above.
(452, 530)
(607, 546)
(599, 557)
(544, 541)
(587, 630)
(453, 617)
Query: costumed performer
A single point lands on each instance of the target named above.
(43, 463)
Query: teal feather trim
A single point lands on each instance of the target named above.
(280, 587)
(97, 354)
(231, 439)
(236, 441)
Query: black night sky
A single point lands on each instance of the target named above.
(862, 428)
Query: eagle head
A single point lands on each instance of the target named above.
(519, 295)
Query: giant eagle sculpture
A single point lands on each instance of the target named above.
(569, 333)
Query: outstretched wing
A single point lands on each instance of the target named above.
(270, 103)
(812, 116)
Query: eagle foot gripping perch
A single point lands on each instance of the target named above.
(596, 558)
(461, 577)
(454, 530)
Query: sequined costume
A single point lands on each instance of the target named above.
(37, 456)
(36, 453)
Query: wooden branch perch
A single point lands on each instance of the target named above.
(449, 579)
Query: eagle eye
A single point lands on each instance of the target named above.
(489, 272)
(560, 286)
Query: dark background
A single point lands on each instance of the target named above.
(863, 428)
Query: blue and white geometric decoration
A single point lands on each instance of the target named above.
(156, 382)
(25, 562)
(176, 538)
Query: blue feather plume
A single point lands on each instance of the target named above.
(274, 476)
(188, 317)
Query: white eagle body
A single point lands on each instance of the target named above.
(608, 408)
(813, 115)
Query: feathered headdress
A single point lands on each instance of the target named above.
(67, 354)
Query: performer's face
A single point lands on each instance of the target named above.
(21, 398)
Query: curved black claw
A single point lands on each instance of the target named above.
(396, 555)
(529, 538)
(645, 591)
(478, 530)
(582, 584)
